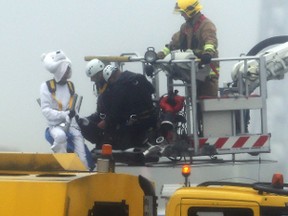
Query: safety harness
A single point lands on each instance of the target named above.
(51, 84)
(136, 118)
(198, 23)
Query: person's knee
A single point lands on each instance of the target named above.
(60, 137)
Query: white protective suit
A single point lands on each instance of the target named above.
(50, 107)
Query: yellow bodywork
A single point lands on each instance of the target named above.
(39, 184)
(222, 197)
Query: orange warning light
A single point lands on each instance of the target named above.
(186, 170)
(277, 181)
(106, 149)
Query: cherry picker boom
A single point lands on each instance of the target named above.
(224, 127)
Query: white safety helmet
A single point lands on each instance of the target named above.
(93, 67)
(108, 71)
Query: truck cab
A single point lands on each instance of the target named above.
(229, 199)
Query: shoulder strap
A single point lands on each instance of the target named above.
(71, 87)
(51, 84)
(198, 23)
(72, 92)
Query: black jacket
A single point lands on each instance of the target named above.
(130, 94)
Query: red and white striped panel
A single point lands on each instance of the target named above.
(247, 141)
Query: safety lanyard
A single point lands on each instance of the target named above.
(60, 106)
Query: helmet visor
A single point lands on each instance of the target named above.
(190, 10)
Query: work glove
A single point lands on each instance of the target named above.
(204, 60)
(160, 55)
(82, 121)
(164, 52)
(71, 114)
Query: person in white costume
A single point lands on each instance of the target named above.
(56, 105)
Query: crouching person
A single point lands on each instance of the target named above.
(88, 125)
(130, 113)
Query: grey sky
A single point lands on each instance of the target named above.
(90, 27)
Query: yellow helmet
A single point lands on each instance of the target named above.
(189, 7)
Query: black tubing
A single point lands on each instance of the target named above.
(266, 43)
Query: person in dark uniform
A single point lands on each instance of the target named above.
(130, 113)
(88, 125)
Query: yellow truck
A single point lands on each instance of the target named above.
(58, 185)
(228, 199)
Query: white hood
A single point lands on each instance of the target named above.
(56, 63)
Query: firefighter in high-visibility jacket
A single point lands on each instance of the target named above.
(198, 34)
